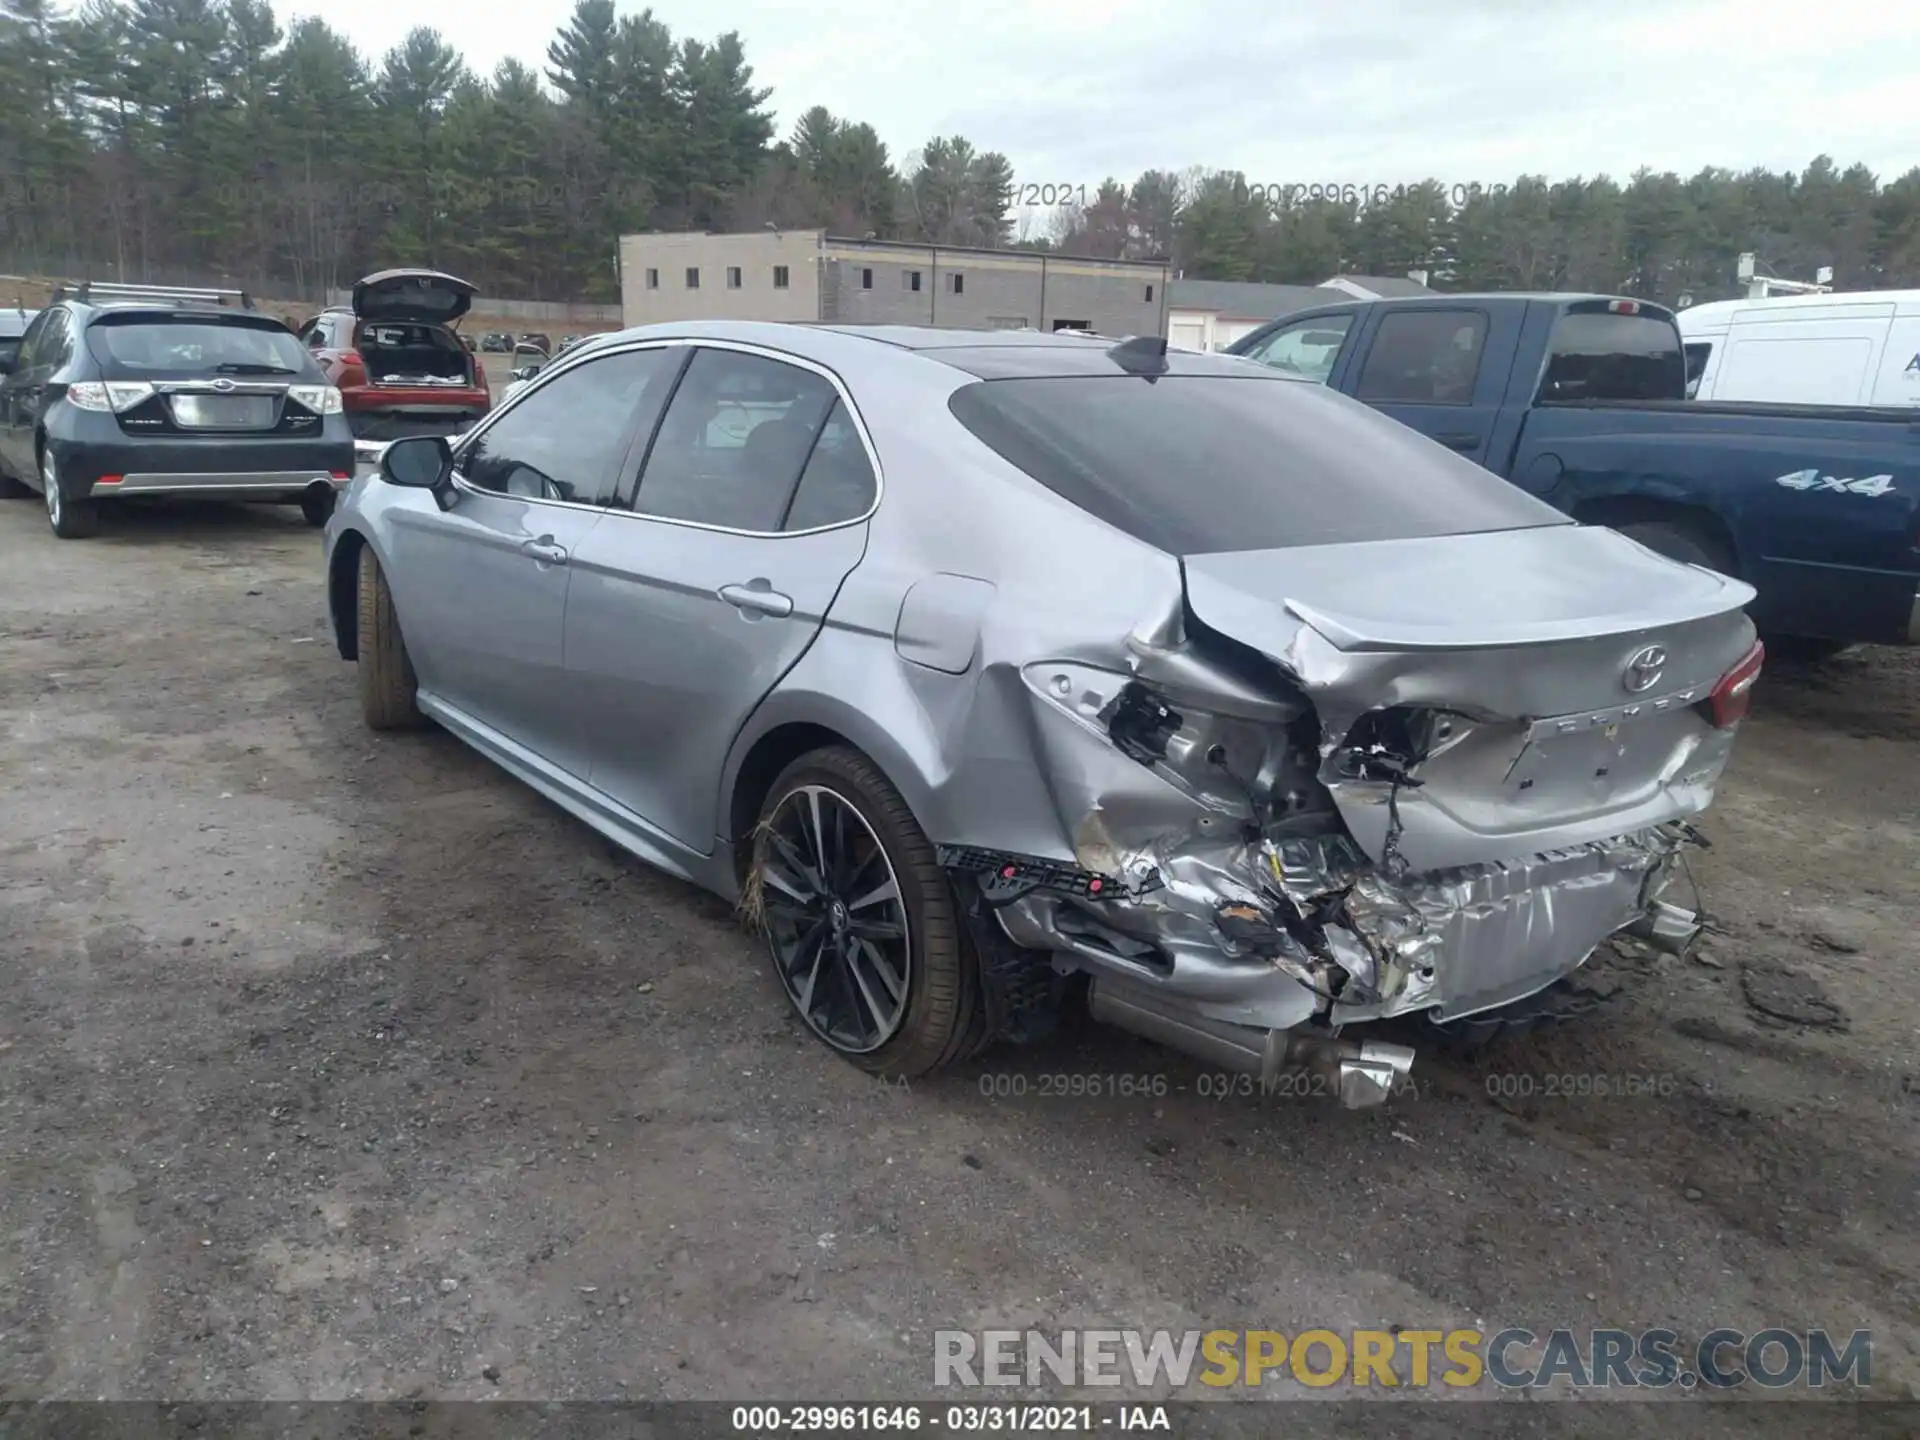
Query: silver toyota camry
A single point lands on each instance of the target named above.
(994, 673)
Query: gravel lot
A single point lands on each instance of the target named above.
(334, 1065)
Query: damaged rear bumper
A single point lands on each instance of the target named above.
(1254, 954)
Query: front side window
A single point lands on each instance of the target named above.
(1424, 357)
(568, 439)
(734, 441)
(1306, 348)
(55, 347)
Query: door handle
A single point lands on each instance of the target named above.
(1459, 442)
(757, 598)
(544, 550)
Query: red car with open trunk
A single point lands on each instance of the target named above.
(400, 367)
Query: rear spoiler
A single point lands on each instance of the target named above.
(100, 291)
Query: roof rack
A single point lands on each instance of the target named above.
(88, 291)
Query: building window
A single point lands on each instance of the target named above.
(733, 277)
(956, 283)
(693, 277)
(912, 278)
(1149, 295)
(779, 277)
(653, 278)
(866, 279)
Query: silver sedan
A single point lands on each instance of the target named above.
(994, 674)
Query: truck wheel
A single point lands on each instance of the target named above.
(860, 919)
(70, 519)
(387, 684)
(1677, 540)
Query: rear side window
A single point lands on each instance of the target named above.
(838, 483)
(1198, 465)
(1424, 357)
(156, 346)
(731, 449)
(1597, 355)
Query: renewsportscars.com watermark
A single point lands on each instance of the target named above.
(1510, 1359)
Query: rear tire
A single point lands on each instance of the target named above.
(387, 683)
(317, 506)
(69, 519)
(1689, 544)
(836, 983)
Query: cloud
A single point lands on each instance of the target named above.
(1369, 91)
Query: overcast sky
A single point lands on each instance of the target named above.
(1354, 92)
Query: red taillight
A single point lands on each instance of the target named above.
(1624, 307)
(109, 479)
(1734, 693)
(351, 357)
(341, 475)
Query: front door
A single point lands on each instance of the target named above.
(20, 393)
(482, 586)
(689, 606)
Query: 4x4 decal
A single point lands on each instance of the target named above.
(1814, 480)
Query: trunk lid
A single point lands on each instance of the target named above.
(420, 295)
(1541, 688)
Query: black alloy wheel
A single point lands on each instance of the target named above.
(836, 919)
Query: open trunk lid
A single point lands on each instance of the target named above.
(1536, 688)
(420, 295)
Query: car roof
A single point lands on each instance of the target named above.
(983, 354)
(159, 309)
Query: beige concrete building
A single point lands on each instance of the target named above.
(811, 275)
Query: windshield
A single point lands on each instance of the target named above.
(156, 346)
(1197, 465)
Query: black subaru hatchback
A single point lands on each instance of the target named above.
(122, 390)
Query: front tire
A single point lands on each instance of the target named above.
(69, 519)
(860, 918)
(387, 683)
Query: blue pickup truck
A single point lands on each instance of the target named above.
(1581, 400)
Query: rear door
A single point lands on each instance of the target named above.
(691, 604)
(1439, 368)
(482, 587)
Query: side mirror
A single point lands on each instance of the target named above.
(419, 462)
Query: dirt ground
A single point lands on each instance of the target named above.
(334, 1065)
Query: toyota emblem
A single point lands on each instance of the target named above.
(1643, 670)
(223, 385)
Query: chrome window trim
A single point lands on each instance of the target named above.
(746, 347)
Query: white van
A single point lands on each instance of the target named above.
(1856, 349)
